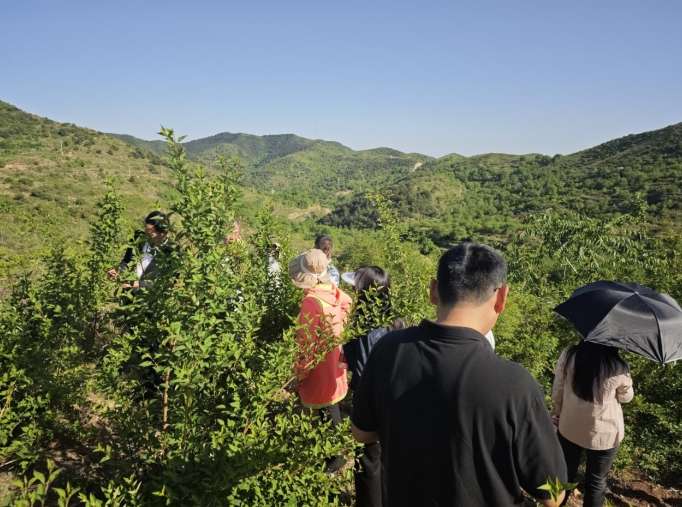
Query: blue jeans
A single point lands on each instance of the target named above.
(596, 471)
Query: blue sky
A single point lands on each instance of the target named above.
(432, 77)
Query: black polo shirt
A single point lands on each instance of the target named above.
(458, 425)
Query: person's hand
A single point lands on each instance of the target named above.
(112, 274)
(555, 421)
(134, 285)
(343, 363)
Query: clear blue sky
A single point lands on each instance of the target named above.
(433, 77)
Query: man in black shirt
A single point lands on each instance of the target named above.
(458, 425)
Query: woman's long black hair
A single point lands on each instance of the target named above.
(593, 365)
(373, 305)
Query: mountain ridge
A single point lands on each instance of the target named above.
(487, 194)
(47, 166)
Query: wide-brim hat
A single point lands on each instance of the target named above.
(309, 269)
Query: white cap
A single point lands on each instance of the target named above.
(349, 277)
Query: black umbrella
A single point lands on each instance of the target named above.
(627, 316)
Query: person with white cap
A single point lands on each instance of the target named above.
(322, 377)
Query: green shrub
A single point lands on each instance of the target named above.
(194, 373)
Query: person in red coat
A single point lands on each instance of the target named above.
(322, 376)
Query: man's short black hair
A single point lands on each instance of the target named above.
(470, 272)
(159, 220)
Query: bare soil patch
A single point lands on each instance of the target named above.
(632, 490)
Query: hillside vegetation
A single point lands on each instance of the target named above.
(299, 171)
(221, 425)
(52, 174)
(457, 196)
(55, 170)
(182, 395)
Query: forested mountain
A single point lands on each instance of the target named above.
(157, 147)
(251, 149)
(457, 196)
(56, 171)
(52, 173)
(300, 171)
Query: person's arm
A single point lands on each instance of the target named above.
(364, 437)
(349, 354)
(364, 423)
(122, 265)
(334, 274)
(558, 386)
(625, 392)
(537, 453)
(130, 251)
(127, 257)
(309, 320)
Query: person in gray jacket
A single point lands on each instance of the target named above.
(145, 247)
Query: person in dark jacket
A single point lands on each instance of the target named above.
(145, 246)
(458, 425)
(373, 309)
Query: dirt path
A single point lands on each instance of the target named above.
(631, 490)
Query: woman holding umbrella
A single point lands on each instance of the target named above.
(591, 380)
(590, 383)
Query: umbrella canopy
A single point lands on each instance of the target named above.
(627, 316)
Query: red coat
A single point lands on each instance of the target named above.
(323, 314)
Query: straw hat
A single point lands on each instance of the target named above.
(309, 269)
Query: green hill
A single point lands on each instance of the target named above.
(299, 170)
(52, 174)
(156, 147)
(459, 196)
(251, 149)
